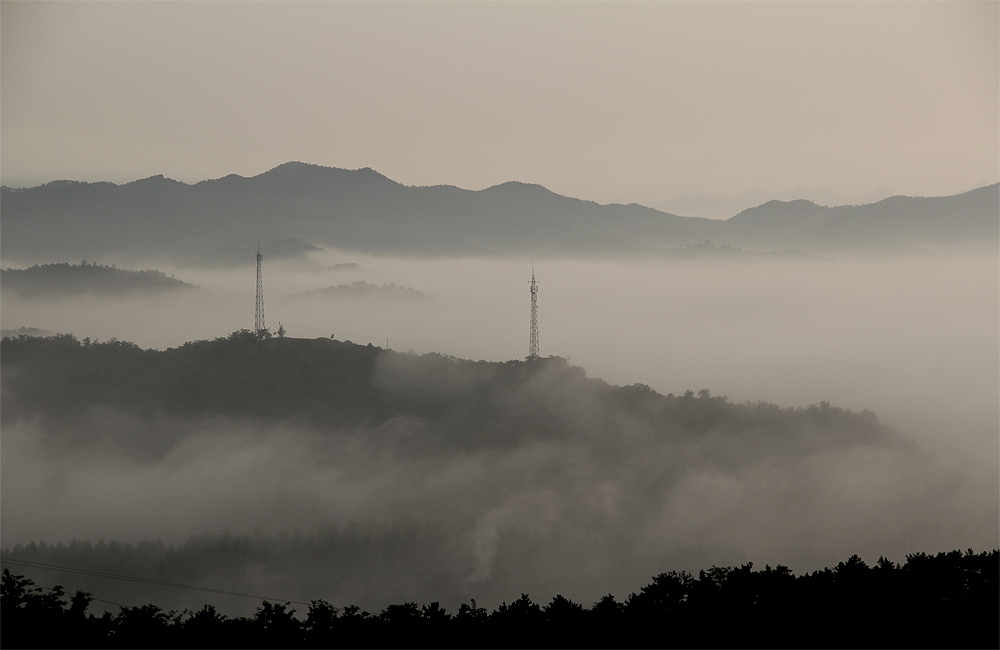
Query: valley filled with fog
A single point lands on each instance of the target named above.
(912, 339)
(790, 367)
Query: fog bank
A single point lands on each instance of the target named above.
(912, 339)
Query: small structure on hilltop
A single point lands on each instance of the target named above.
(533, 334)
(258, 318)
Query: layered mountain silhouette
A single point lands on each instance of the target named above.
(722, 207)
(362, 210)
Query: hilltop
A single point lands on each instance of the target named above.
(61, 280)
(338, 384)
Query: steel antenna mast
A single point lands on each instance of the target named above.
(533, 337)
(258, 317)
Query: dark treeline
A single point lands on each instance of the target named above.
(61, 280)
(944, 600)
(334, 562)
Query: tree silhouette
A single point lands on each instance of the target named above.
(944, 600)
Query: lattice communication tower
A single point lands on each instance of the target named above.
(533, 336)
(258, 317)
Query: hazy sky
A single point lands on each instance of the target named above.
(604, 101)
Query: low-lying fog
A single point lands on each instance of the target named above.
(915, 340)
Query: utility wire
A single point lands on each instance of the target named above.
(110, 602)
(175, 585)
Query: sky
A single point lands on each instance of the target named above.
(623, 101)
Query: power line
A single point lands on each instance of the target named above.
(160, 583)
(110, 602)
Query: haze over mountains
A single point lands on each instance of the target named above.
(412, 474)
(792, 378)
(722, 207)
(363, 211)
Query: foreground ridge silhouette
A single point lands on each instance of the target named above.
(945, 600)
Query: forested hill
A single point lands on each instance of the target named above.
(338, 385)
(61, 280)
(421, 478)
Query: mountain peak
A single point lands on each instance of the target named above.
(309, 173)
(775, 207)
(518, 186)
(155, 180)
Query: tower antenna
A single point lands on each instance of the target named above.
(533, 336)
(258, 317)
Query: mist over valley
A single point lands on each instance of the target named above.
(370, 476)
(499, 324)
(706, 402)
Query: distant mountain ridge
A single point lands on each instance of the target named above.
(722, 207)
(363, 210)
